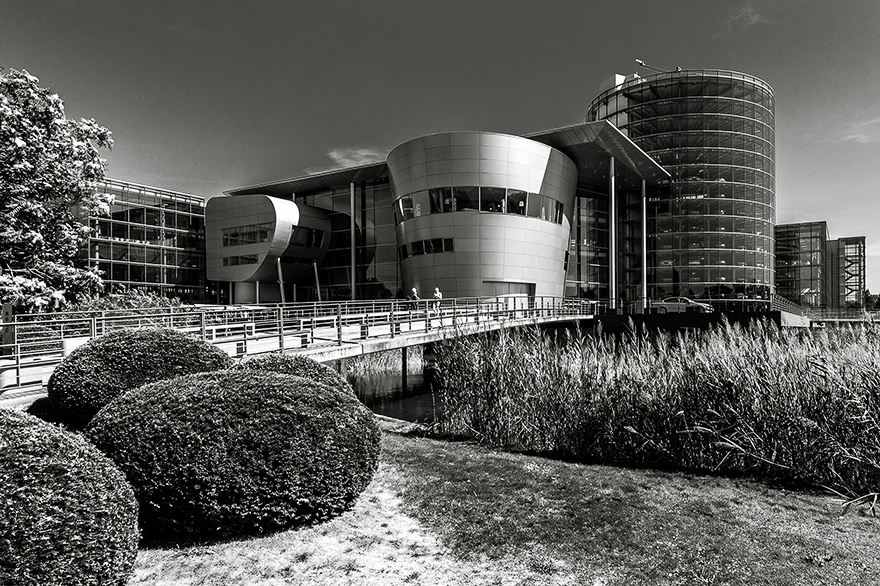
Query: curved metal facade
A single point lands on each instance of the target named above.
(710, 229)
(246, 236)
(481, 213)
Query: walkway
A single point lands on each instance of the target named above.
(34, 344)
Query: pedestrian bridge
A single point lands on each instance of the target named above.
(34, 344)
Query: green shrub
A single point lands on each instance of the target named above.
(297, 365)
(112, 364)
(236, 452)
(67, 515)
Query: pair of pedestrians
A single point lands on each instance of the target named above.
(435, 305)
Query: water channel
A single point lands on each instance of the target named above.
(385, 394)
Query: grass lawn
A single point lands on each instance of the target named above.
(457, 513)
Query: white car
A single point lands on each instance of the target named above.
(680, 305)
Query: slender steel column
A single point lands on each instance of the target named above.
(644, 247)
(353, 229)
(612, 235)
(280, 278)
(317, 281)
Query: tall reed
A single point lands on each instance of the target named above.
(791, 406)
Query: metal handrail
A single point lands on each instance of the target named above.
(253, 329)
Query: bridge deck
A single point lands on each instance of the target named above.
(323, 331)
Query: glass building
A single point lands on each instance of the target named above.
(710, 228)
(153, 240)
(800, 263)
(471, 213)
(816, 271)
(846, 265)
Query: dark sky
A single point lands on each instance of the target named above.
(207, 95)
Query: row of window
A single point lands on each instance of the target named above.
(685, 224)
(699, 161)
(675, 84)
(161, 256)
(432, 246)
(712, 240)
(250, 234)
(307, 237)
(707, 139)
(694, 275)
(169, 201)
(734, 110)
(243, 259)
(712, 207)
(484, 199)
(151, 234)
(150, 274)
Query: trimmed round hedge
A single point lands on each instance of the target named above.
(297, 365)
(112, 364)
(238, 452)
(68, 517)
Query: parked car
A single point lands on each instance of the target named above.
(681, 304)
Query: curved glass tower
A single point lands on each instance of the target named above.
(710, 228)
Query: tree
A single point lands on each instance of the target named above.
(872, 302)
(49, 171)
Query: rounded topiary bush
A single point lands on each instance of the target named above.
(237, 452)
(68, 517)
(112, 364)
(297, 365)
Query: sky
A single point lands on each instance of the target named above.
(203, 96)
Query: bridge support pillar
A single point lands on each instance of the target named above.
(403, 357)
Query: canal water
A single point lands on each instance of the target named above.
(385, 394)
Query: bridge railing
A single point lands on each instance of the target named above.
(33, 344)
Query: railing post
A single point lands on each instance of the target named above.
(339, 323)
(280, 321)
(202, 325)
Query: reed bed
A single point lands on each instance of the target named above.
(794, 407)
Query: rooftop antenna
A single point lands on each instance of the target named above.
(644, 65)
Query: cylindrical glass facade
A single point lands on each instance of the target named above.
(710, 228)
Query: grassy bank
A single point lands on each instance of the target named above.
(795, 407)
(459, 513)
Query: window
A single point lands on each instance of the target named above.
(516, 202)
(441, 199)
(246, 259)
(492, 199)
(308, 237)
(466, 198)
(251, 234)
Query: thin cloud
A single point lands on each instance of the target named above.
(743, 18)
(865, 132)
(350, 157)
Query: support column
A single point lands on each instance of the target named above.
(612, 235)
(353, 229)
(280, 279)
(317, 281)
(403, 368)
(644, 247)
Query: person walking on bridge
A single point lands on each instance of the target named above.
(437, 297)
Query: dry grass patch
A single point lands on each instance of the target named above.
(456, 513)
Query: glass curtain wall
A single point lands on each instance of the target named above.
(710, 229)
(846, 258)
(376, 268)
(800, 263)
(587, 274)
(153, 240)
